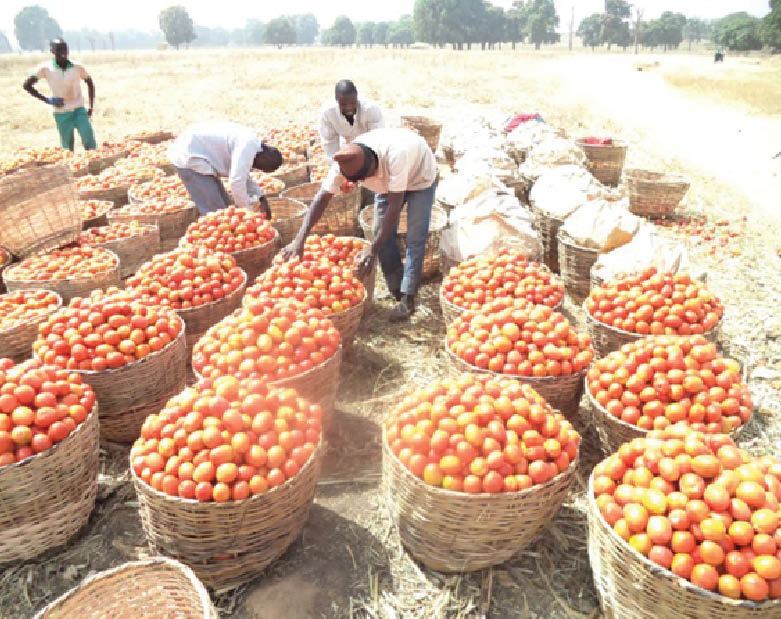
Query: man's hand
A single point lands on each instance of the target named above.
(264, 207)
(55, 101)
(294, 250)
(364, 262)
(89, 112)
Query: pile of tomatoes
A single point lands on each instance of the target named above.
(25, 306)
(94, 208)
(226, 440)
(649, 302)
(337, 250)
(102, 332)
(480, 434)
(230, 230)
(62, 264)
(155, 207)
(322, 285)
(113, 232)
(480, 280)
(159, 188)
(185, 278)
(267, 339)
(267, 183)
(39, 407)
(513, 336)
(699, 507)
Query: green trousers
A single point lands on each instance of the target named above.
(78, 120)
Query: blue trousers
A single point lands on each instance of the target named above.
(206, 191)
(406, 276)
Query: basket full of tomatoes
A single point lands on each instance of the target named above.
(474, 469)
(683, 524)
(340, 218)
(48, 457)
(170, 215)
(20, 314)
(231, 489)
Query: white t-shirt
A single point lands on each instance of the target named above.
(64, 83)
(406, 163)
(335, 131)
(220, 148)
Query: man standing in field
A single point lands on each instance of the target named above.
(64, 79)
(209, 150)
(346, 117)
(398, 165)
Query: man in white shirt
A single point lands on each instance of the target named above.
(346, 117)
(64, 79)
(209, 150)
(398, 165)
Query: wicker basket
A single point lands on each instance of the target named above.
(605, 161)
(436, 226)
(339, 217)
(67, 288)
(17, 343)
(295, 176)
(654, 194)
(451, 311)
(197, 320)
(547, 227)
(561, 392)
(428, 129)
(130, 393)
(38, 210)
(228, 544)
(98, 164)
(46, 499)
(117, 195)
(172, 224)
(575, 263)
(168, 169)
(133, 251)
(154, 137)
(98, 220)
(595, 280)
(156, 588)
(605, 339)
(257, 259)
(348, 321)
(5, 260)
(458, 532)
(287, 216)
(633, 587)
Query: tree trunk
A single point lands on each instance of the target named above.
(537, 44)
(482, 45)
(513, 45)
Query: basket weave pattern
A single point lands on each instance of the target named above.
(288, 216)
(133, 251)
(257, 259)
(38, 210)
(117, 195)
(339, 217)
(654, 194)
(632, 587)
(575, 263)
(255, 531)
(455, 531)
(172, 225)
(98, 164)
(295, 176)
(348, 321)
(425, 127)
(547, 227)
(605, 161)
(17, 343)
(157, 588)
(47, 498)
(152, 138)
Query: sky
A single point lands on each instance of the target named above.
(105, 15)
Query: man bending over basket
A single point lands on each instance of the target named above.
(209, 150)
(398, 165)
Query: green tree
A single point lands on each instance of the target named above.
(590, 30)
(401, 33)
(254, 32)
(770, 29)
(695, 30)
(672, 25)
(307, 27)
(34, 28)
(343, 31)
(427, 20)
(541, 21)
(365, 33)
(493, 27)
(614, 25)
(515, 24)
(739, 32)
(381, 33)
(279, 32)
(5, 46)
(177, 26)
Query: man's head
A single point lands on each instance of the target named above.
(356, 162)
(347, 98)
(268, 159)
(59, 48)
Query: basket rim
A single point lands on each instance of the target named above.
(240, 289)
(30, 322)
(536, 210)
(617, 143)
(7, 277)
(657, 178)
(92, 415)
(433, 227)
(5, 257)
(145, 230)
(116, 213)
(300, 206)
(562, 238)
(658, 570)
(481, 496)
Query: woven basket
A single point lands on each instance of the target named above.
(252, 533)
(595, 280)
(168, 169)
(38, 210)
(631, 586)
(117, 195)
(99, 220)
(575, 263)
(17, 343)
(287, 216)
(130, 393)
(654, 194)
(348, 321)
(98, 164)
(134, 250)
(257, 259)
(293, 177)
(561, 392)
(436, 226)
(458, 532)
(5, 260)
(605, 161)
(46, 499)
(428, 129)
(156, 588)
(152, 138)
(547, 227)
(172, 225)
(67, 288)
(198, 319)
(339, 217)
(605, 339)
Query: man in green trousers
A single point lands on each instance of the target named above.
(64, 79)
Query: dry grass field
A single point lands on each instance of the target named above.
(720, 125)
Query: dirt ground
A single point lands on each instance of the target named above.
(349, 562)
